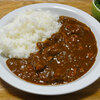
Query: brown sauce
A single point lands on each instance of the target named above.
(64, 57)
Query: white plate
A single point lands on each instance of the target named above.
(92, 75)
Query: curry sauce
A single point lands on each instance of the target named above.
(64, 57)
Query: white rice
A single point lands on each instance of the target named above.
(18, 38)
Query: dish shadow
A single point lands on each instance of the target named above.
(90, 90)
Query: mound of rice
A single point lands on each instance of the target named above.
(18, 38)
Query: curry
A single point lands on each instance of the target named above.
(62, 58)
